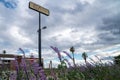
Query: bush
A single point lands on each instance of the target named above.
(27, 71)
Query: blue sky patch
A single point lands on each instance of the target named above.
(9, 4)
(25, 50)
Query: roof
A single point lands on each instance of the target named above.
(9, 55)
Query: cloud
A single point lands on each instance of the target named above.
(85, 24)
(91, 16)
(105, 54)
(18, 36)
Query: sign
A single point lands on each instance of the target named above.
(38, 8)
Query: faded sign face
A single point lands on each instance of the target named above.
(38, 8)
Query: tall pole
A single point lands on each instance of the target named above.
(44, 11)
(39, 40)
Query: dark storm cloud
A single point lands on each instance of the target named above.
(112, 24)
(104, 15)
(59, 9)
(109, 32)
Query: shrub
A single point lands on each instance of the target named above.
(27, 71)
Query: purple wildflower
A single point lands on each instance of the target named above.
(58, 52)
(32, 77)
(42, 74)
(13, 76)
(16, 64)
(24, 66)
(89, 65)
(22, 51)
(67, 54)
(53, 75)
(35, 68)
(82, 68)
(68, 62)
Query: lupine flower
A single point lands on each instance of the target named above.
(32, 77)
(67, 54)
(82, 68)
(22, 51)
(53, 76)
(35, 68)
(24, 66)
(89, 65)
(68, 62)
(16, 65)
(13, 76)
(42, 74)
(58, 52)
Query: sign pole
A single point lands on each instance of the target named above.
(44, 11)
(39, 40)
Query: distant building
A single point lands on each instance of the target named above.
(9, 60)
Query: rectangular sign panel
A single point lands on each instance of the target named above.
(38, 8)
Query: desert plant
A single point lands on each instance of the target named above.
(117, 60)
(72, 49)
(84, 55)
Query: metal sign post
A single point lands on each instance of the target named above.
(44, 11)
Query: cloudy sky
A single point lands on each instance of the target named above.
(91, 26)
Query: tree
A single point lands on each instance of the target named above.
(84, 55)
(4, 51)
(117, 60)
